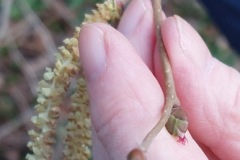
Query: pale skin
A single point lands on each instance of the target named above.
(124, 73)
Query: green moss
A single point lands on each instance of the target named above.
(36, 5)
(3, 52)
(7, 107)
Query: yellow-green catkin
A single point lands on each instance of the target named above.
(108, 12)
(51, 94)
(78, 138)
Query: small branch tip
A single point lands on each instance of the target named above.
(136, 154)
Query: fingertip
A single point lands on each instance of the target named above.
(206, 88)
(137, 26)
(133, 15)
(184, 45)
(92, 50)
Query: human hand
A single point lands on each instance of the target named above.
(126, 100)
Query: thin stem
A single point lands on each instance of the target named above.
(171, 98)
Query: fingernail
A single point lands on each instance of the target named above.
(191, 44)
(92, 51)
(181, 33)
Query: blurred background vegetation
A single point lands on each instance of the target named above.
(31, 31)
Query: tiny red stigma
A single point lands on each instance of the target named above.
(182, 140)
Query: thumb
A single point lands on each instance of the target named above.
(124, 95)
(208, 90)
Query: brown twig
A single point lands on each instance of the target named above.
(61, 10)
(40, 28)
(171, 98)
(4, 17)
(13, 125)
